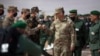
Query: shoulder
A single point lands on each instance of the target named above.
(69, 21)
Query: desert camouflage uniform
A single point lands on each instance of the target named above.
(64, 37)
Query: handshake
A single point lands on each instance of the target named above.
(41, 26)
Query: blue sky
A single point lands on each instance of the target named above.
(49, 6)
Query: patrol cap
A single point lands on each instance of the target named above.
(12, 8)
(58, 10)
(25, 10)
(35, 9)
(95, 12)
(1, 6)
(19, 24)
(73, 11)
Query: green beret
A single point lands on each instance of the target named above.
(95, 12)
(19, 24)
(73, 11)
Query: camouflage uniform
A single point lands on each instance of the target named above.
(64, 37)
(8, 21)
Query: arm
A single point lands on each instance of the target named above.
(73, 36)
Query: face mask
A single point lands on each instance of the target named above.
(15, 15)
(2, 12)
(28, 16)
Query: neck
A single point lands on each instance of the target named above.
(23, 17)
(95, 20)
(61, 18)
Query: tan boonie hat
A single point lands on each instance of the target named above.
(25, 10)
(12, 8)
(58, 10)
(1, 6)
(35, 9)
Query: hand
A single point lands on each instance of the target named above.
(99, 50)
(44, 26)
(39, 26)
(72, 48)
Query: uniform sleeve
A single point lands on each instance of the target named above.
(73, 34)
(52, 28)
(5, 23)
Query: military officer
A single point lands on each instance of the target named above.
(35, 28)
(94, 33)
(43, 35)
(80, 32)
(9, 18)
(65, 35)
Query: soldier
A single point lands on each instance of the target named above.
(65, 36)
(94, 33)
(43, 35)
(9, 19)
(80, 32)
(16, 37)
(25, 15)
(35, 26)
(1, 14)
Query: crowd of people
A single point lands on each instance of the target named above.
(27, 34)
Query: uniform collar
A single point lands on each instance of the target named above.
(65, 19)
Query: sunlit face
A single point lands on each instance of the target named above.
(93, 17)
(34, 14)
(60, 15)
(12, 12)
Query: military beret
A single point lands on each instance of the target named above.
(25, 10)
(1, 6)
(95, 12)
(73, 11)
(58, 10)
(35, 9)
(12, 8)
(19, 24)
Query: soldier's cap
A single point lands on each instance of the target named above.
(58, 10)
(25, 10)
(95, 12)
(19, 24)
(1, 6)
(73, 11)
(35, 9)
(12, 8)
